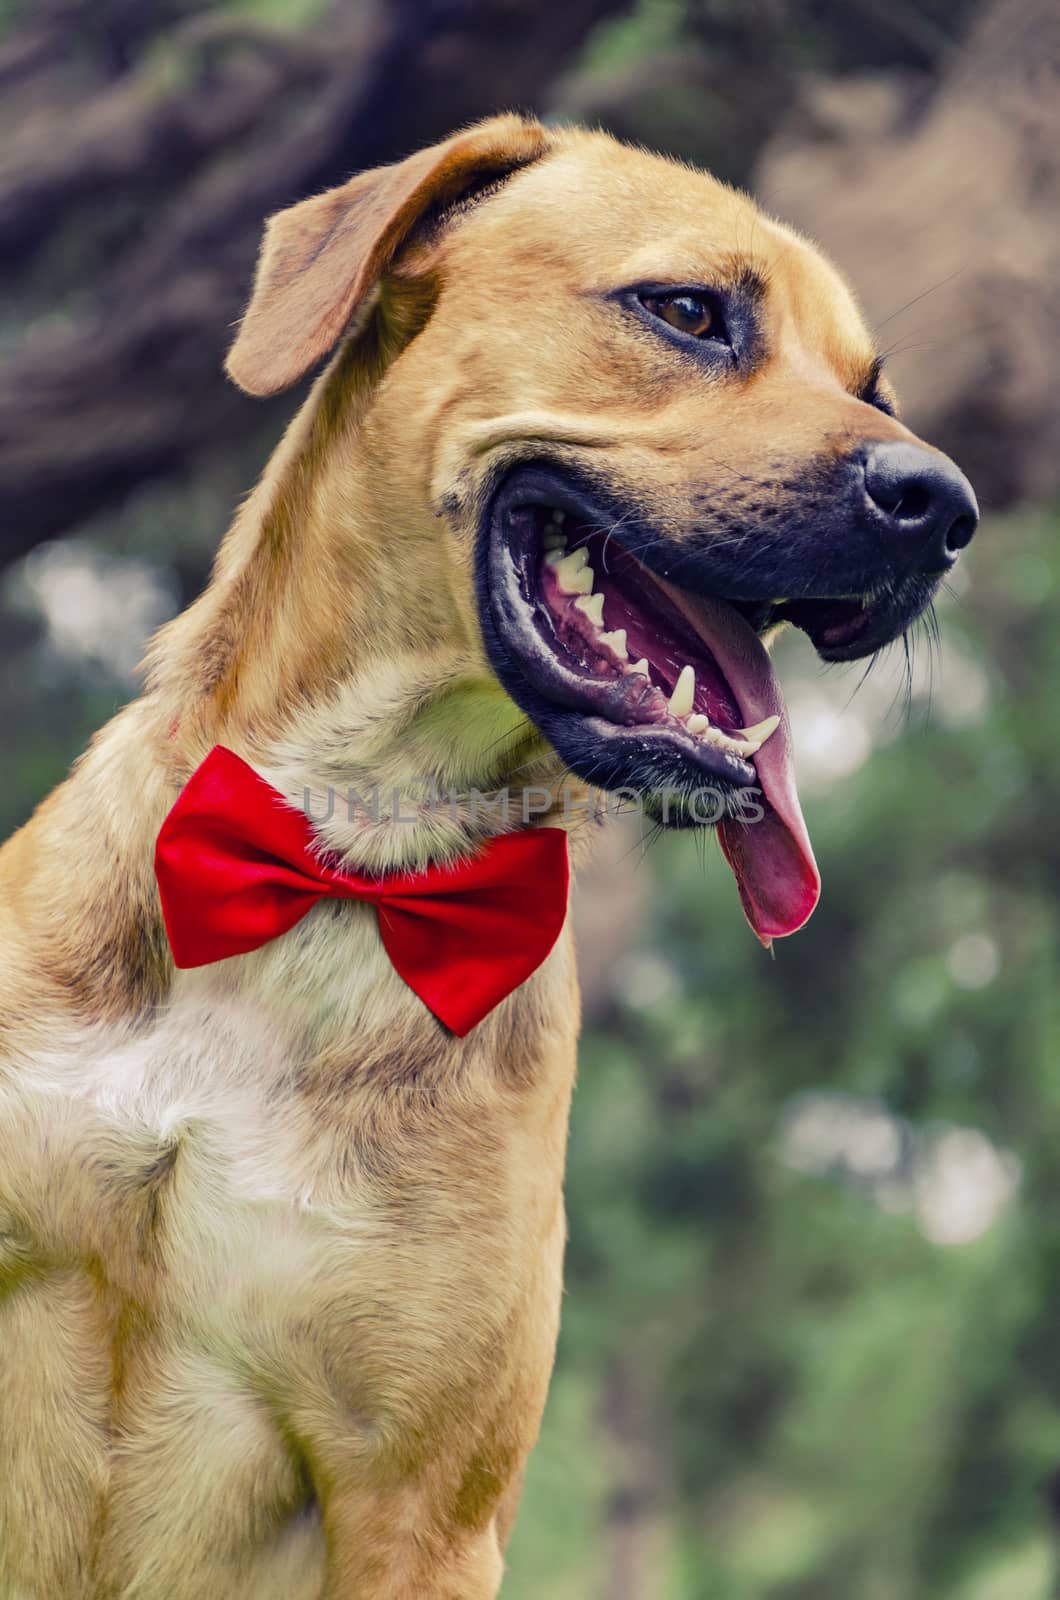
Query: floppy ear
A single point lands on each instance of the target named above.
(320, 258)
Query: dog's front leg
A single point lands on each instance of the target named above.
(384, 1545)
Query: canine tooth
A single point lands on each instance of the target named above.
(574, 574)
(593, 606)
(698, 723)
(642, 667)
(684, 692)
(554, 539)
(760, 731)
(616, 642)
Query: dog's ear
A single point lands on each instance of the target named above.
(321, 258)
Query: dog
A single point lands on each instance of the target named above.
(280, 1252)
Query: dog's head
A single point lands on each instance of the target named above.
(655, 426)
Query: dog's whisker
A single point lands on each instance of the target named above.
(933, 289)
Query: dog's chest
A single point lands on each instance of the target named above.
(152, 1239)
(237, 1221)
(234, 1158)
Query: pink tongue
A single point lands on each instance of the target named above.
(772, 859)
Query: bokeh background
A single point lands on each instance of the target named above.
(811, 1344)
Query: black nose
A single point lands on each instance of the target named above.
(928, 505)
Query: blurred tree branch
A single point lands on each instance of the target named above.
(135, 188)
(143, 147)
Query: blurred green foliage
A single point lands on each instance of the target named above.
(834, 1391)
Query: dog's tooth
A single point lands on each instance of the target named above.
(738, 745)
(741, 742)
(642, 667)
(616, 642)
(759, 731)
(554, 539)
(571, 563)
(684, 692)
(723, 741)
(574, 574)
(593, 606)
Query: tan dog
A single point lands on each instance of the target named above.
(279, 1257)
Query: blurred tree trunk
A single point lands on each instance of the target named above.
(634, 1534)
(142, 149)
(946, 215)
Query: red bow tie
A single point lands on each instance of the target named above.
(237, 866)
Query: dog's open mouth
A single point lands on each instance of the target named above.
(622, 645)
(643, 686)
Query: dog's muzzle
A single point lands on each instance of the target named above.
(639, 653)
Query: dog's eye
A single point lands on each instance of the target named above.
(693, 314)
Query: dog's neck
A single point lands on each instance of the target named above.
(337, 650)
(334, 650)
